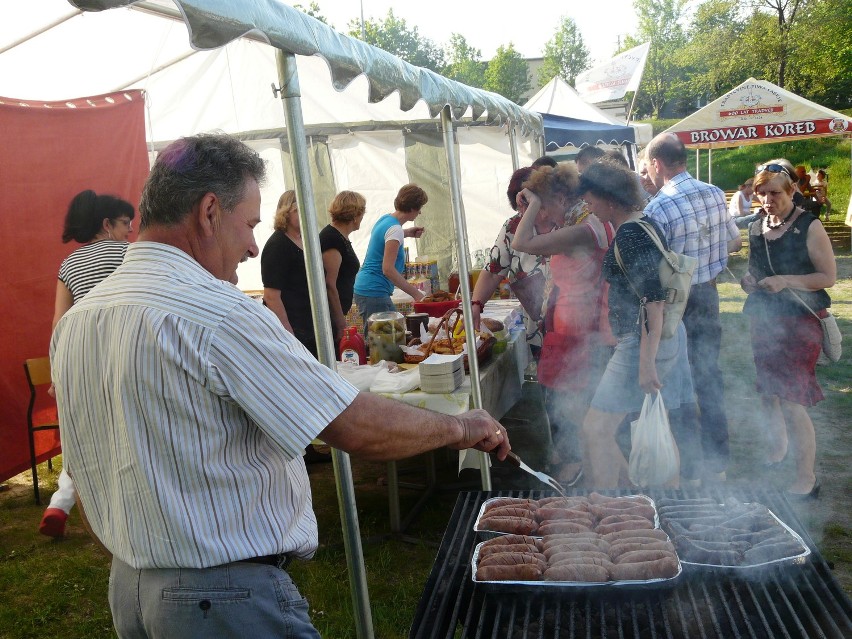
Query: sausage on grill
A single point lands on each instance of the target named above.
(558, 526)
(659, 569)
(513, 559)
(587, 573)
(484, 550)
(514, 525)
(518, 572)
(641, 556)
(624, 525)
(654, 533)
(616, 550)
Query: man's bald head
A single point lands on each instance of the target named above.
(666, 158)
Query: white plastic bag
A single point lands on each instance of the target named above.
(654, 457)
(401, 381)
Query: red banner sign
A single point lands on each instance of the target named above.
(771, 131)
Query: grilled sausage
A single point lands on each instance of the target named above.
(616, 519)
(586, 535)
(557, 527)
(514, 525)
(518, 572)
(546, 513)
(510, 511)
(641, 556)
(771, 552)
(597, 558)
(659, 569)
(513, 559)
(654, 533)
(512, 539)
(586, 573)
(645, 510)
(515, 502)
(485, 551)
(756, 538)
(702, 501)
(693, 551)
(574, 547)
(616, 550)
(577, 503)
(605, 529)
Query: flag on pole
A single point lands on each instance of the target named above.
(612, 79)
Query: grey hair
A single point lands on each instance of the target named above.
(190, 168)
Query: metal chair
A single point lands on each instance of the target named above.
(38, 378)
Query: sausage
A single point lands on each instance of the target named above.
(597, 558)
(646, 511)
(515, 502)
(616, 550)
(752, 521)
(691, 550)
(597, 498)
(512, 539)
(654, 533)
(547, 512)
(586, 573)
(689, 522)
(515, 525)
(641, 556)
(586, 535)
(556, 527)
(513, 559)
(659, 569)
(713, 533)
(573, 547)
(510, 511)
(484, 550)
(736, 546)
(578, 503)
(616, 519)
(762, 536)
(771, 552)
(518, 572)
(701, 501)
(624, 525)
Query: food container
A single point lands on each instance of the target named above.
(385, 335)
(413, 322)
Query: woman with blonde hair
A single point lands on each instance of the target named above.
(338, 257)
(282, 269)
(791, 263)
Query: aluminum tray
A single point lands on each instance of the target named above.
(801, 558)
(485, 535)
(579, 586)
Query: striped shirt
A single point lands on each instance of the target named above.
(184, 408)
(89, 264)
(695, 221)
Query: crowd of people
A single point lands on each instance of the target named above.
(185, 406)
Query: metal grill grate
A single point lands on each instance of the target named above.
(779, 602)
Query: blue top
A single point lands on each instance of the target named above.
(371, 281)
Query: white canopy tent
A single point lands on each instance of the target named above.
(331, 123)
(758, 112)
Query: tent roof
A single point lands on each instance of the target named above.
(758, 112)
(49, 51)
(560, 131)
(559, 98)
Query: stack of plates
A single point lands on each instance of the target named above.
(441, 373)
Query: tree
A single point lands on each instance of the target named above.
(313, 10)
(785, 12)
(565, 54)
(664, 79)
(464, 62)
(395, 36)
(508, 73)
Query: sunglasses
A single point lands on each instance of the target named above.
(772, 168)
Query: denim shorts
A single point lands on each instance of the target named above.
(619, 390)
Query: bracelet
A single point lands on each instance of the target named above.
(477, 303)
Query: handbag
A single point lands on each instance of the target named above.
(675, 270)
(654, 456)
(832, 338)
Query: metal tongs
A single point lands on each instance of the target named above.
(513, 459)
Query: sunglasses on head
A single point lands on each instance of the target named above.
(772, 168)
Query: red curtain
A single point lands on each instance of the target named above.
(49, 152)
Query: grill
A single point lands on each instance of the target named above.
(778, 602)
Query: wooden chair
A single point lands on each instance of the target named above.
(38, 378)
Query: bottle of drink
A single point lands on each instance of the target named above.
(352, 349)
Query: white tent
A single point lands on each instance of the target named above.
(362, 128)
(331, 123)
(557, 97)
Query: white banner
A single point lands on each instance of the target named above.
(611, 80)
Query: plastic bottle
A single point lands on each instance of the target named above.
(352, 349)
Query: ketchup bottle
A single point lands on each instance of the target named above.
(352, 348)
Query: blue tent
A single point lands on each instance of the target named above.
(560, 131)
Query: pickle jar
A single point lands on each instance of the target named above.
(385, 335)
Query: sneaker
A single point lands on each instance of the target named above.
(53, 523)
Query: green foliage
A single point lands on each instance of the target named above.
(565, 54)
(464, 62)
(313, 10)
(508, 74)
(395, 36)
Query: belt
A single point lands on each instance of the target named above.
(281, 561)
(707, 283)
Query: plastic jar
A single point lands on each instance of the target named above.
(385, 335)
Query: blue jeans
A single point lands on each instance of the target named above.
(232, 601)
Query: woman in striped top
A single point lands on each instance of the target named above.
(101, 223)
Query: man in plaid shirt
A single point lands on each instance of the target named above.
(694, 217)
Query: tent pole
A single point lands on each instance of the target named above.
(291, 97)
(513, 146)
(710, 165)
(464, 274)
(697, 164)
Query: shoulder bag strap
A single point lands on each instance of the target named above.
(792, 292)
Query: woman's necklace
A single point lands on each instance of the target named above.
(773, 227)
